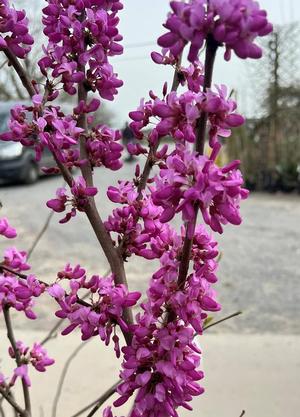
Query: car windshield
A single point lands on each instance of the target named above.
(3, 121)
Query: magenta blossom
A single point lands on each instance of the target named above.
(6, 230)
(76, 42)
(19, 293)
(14, 30)
(102, 315)
(78, 201)
(189, 180)
(234, 23)
(37, 356)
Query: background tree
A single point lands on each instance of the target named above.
(269, 143)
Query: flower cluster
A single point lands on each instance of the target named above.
(82, 34)
(14, 30)
(103, 147)
(189, 181)
(161, 365)
(39, 127)
(234, 23)
(37, 356)
(6, 230)
(80, 194)
(16, 292)
(133, 235)
(178, 114)
(105, 310)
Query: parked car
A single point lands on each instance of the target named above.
(17, 162)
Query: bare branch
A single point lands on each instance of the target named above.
(12, 402)
(13, 343)
(238, 313)
(99, 402)
(40, 234)
(63, 376)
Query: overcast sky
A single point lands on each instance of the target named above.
(141, 22)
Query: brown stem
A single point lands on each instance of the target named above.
(211, 49)
(86, 169)
(13, 60)
(113, 256)
(13, 343)
(12, 402)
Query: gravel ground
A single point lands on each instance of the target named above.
(259, 270)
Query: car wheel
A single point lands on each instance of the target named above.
(31, 174)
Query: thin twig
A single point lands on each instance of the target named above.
(12, 402)
(1, 407)
(63, 377)
(53, 332)
(13, 343)
(40, 234)
(243, 413)
(238, 313)
(99, 402)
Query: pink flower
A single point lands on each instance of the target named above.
(80, 194)
(100, 317)
(14, 30)
(75, 42)
(22, 373)
(39, 358)
(6, 230)
(234, 23)
(189, 180)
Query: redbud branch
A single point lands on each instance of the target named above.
(13, 61)
(12, 402)
(211, 49)
(113, 256)
(13, 343)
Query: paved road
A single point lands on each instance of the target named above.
(259, 271)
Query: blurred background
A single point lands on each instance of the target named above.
(251, 362)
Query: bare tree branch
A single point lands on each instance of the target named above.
(63, 376)
(99, 402)
(12, 402)
(224, 319)
(13, 343)
(40, 234)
